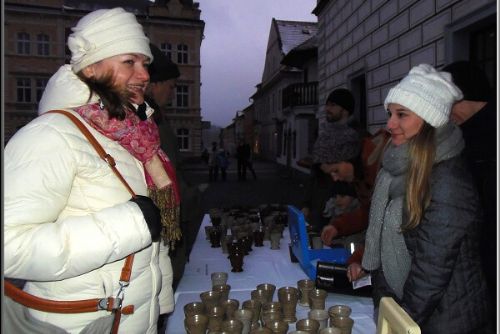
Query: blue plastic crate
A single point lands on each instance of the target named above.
(299, 246)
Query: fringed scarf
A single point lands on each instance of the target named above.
(142, 140)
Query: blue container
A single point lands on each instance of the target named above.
(299, 246)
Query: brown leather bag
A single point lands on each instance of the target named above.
(111, 304)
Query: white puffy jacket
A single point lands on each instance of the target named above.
(69, 225)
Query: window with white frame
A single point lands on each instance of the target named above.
(166, 48)
(41, 83)
(182, 96)
(182, 54)
(23, 87)
(23, 43)
(183, 139)
(42, 42)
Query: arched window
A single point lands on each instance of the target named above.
(183, 139)
(23, 43)
(42, 42)
(182, 54)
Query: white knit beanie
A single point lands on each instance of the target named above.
(428, 93)
(106, 33)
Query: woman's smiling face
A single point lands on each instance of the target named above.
(129, 72)
(403, 124)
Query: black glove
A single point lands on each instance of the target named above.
(151, 214)
(141, 112)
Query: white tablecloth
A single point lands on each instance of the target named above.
(262, 265)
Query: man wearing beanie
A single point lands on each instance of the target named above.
(339, 105)
(336, 142)
(163, 76)
(476, 115)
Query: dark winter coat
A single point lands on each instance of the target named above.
(446, 291)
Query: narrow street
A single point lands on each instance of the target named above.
(274, 184)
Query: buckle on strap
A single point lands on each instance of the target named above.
(109, 304)
(113, 303)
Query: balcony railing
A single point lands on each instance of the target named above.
(300, 94)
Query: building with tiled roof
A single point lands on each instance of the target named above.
(294, 33)
(286, 99)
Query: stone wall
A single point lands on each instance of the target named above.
(384, 40)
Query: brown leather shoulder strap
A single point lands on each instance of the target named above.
(100, 150)
(76, 306)
(127, 268)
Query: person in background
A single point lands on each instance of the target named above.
(476, 115)
(344, 200)
(422, 240)
(336, 142)
(204, 155)
(213, 169)
(249, 160)
(361, 171)
(222, 162)
(69, 222)
(243, 154)
(159, 94)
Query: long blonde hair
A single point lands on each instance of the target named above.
(422, 151)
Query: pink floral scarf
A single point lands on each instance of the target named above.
(142, 140)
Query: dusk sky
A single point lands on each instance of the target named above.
(234, 50)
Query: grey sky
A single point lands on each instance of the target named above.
(234, 50)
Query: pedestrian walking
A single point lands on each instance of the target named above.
(222, 162)
(213, 169)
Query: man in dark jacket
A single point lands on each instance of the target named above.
(163, 75)
(477, 117)
(243, 154)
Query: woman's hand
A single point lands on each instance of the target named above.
(328, 233)
(355, 272)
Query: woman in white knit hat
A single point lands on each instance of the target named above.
(69, 221)
(422, 240)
